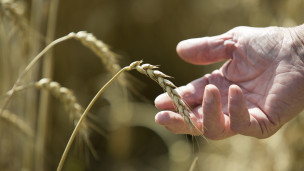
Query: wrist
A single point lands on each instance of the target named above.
(297, 34)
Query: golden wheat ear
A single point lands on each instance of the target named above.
(70, 102)
(108, 58)
(162, 80)
(17, 122)
(159, 77)
(75, 110)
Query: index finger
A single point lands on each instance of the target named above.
(206, 50)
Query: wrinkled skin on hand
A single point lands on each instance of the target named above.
(258, 89)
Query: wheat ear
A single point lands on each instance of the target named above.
(65, 95)
(13, 8)
(89, 40)
(102, 50)
(29, 66)
(162, 79)
(14, 120)
(71, 105)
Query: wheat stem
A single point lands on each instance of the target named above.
(76, 129)
(29, 66)
(193, 164)
(44, 105)
(157, 76)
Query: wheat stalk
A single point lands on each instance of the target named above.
(83, 116)
(193, 164)
(44, 101)
(159, 77)
(89, 40)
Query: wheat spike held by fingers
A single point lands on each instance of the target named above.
(162, 79)
(159, 77)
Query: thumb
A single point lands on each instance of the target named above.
(206, 50)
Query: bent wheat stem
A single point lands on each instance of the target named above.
(159, 77)
(29, 66)
(68, 146)
(87, 39)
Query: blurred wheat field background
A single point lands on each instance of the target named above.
(121, 133)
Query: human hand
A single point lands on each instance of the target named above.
(259, 88)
